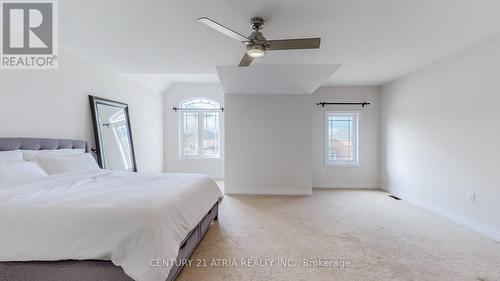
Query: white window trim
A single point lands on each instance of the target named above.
(355, 140)
(201, 123)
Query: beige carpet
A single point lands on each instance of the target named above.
(383, 239)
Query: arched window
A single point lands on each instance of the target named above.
(199, 128)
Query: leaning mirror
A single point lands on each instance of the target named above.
(113, 136)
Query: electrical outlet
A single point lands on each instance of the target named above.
(472, 197)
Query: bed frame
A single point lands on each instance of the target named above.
(86, 270)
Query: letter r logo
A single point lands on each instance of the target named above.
(27, 28)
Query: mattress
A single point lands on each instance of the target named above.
(128, 218)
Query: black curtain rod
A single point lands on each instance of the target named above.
(198, 109)
(363, 104)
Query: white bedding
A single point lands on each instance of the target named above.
(128, 218)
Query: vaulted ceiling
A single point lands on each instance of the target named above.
(375, 41)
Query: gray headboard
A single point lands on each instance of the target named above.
(41, 144)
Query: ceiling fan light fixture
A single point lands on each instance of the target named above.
(256, 51)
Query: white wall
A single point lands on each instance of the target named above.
(172, 97)
(54, 104)
(366, 175)
(441, 136)
(268, 144)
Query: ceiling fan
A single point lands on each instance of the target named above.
(257, 45)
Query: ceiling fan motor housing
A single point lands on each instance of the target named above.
(257, 37)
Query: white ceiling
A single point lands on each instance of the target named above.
(275, 78)
(375, 40)
(162, 81)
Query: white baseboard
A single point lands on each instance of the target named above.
(269, 191)
(336, 185)
(470, 224)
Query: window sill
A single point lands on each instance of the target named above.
(198, 158)
(352, 165)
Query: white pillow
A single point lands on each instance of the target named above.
(20, 171)
(67, 163)
(10, 156)
(31, 154)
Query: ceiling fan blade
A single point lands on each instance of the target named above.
(246, 60)
(219, 27)
(291, 44)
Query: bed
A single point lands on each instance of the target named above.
(101, 225)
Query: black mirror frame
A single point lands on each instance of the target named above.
(94, 101)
